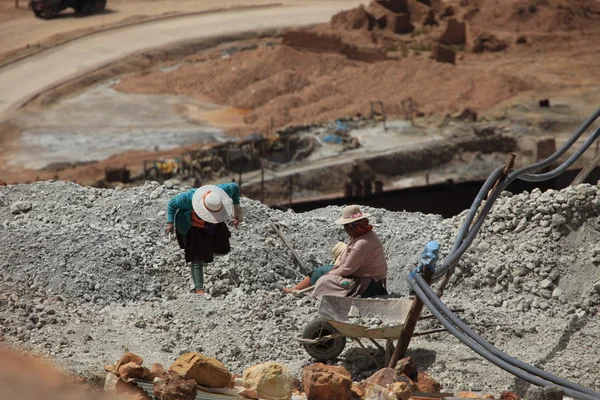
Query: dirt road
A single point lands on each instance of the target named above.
(22, 80)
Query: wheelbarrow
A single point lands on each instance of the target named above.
(324, 338)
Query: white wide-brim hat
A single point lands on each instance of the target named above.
(212, 204)
(351, 214)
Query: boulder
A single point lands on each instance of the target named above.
(427, 384)
(430, 19)
(406, 366)
(110, 382)
(129, 358)
(384, 377)
(269, 381)
(131, 371)
(401, 390)
(455, 33)
(172, 387)
(329, 382)
(444, 54)
(206, 371)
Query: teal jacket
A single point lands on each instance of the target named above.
(180, 207)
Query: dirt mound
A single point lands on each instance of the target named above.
(530, 16)
(295, 86)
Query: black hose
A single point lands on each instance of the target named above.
(487, 355)
(445, 311)
(463, 240)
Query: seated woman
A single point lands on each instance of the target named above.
(362, 267)
(315, 274)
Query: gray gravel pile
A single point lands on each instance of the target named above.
(87, 273)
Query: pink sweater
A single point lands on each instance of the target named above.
(364, 256)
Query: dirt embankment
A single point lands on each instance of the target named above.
(537, 44)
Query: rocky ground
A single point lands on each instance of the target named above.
(87, 273)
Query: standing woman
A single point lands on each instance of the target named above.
(199, 216)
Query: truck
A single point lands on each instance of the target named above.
(48, 9)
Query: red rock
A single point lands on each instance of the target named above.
(355, 18)
(384, 377)
(427, 384)
(172, 387)
(506, 395)
(406, 366)
(329, 382)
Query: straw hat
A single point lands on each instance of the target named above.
(212, 204)
(351, 214)
(338, 249)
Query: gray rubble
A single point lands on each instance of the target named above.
(87, 273)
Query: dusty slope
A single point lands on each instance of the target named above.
(109, 279)
(295, 87)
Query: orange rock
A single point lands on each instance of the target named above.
(467, 395)
(206, 371)
(329, 382)
(130, 371)
(427, 384)
(127, 358)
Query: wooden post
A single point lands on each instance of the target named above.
(17, 3)
(589, 167)
(411, 323)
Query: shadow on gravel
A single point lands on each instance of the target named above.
(575, 325)
(358, 361)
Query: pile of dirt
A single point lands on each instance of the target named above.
(501, 51)
(109, 279)
(293, 87)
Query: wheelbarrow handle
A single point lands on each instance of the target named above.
(302, 340)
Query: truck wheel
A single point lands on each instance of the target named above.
(323, 351)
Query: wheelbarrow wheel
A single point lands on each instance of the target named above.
(327, 350)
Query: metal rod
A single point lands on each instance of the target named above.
(429, 332)
(368, 354)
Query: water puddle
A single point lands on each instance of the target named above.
(102, 122)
